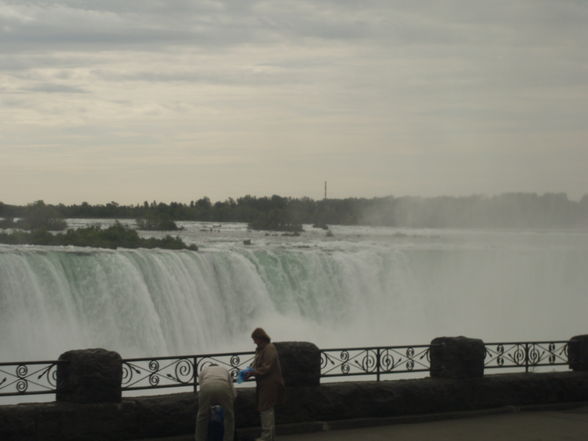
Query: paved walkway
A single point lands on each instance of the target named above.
(568, 425)
(508, 424)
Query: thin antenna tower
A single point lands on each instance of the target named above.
(325, 189)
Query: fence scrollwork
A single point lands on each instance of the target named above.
(29, 378)
(374, 360)
(529, 355)
(162, 372)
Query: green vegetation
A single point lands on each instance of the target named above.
(7, 223)
(40, 219)
(38, 216)
(275, 220)
(157, 222)
(509, 210)
(113, 237)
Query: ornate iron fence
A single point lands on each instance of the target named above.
(40, 377)
(28, 378)
(529, 355)
(374, 361)
(164, 372)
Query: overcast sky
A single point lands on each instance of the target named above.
(172, 100)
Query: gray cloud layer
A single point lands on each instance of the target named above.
(377, 96)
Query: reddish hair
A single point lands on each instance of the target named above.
(260, 334)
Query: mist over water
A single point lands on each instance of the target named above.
(364, 286)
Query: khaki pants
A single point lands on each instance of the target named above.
(267, 425)
(216, 392)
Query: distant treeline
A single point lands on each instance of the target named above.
(509, 210)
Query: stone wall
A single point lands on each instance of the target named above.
(456, 385)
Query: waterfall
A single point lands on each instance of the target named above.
(161, 302)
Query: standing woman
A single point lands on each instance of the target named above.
(269, 382)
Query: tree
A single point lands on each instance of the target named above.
(38, 216)
(275, 220)
(157, 221)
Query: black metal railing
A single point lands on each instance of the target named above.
(28, 378)
(40, 377)
(374, 361)
(529, 355)
(163, 372)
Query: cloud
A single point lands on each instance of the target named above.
(54, 88)
(232, 22)
(327, 84)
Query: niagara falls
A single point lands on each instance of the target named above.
(359, 286)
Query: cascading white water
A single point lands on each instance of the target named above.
(364, 287)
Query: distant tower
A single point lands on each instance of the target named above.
(325, 189)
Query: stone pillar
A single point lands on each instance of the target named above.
(300, 362)
(457, 357)
(89, 376)
(578, 353)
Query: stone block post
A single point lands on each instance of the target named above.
(300, 362)
(457, 357)
(578, 353)
(89, 376)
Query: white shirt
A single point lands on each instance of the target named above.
(216, 373)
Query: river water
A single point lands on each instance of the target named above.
(362, 286)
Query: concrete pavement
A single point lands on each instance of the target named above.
(553, 425)
(564, 422)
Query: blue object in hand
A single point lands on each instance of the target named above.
(242, 374)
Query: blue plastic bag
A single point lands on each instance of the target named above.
(242, 374)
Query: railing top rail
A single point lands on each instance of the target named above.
(177, 357)
(28, 363)
(539, 342)
(371, 348)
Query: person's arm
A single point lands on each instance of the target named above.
(266, 361)
(230, 380)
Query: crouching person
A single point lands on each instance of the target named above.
(216, 389)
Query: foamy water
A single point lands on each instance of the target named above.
(362, 286)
